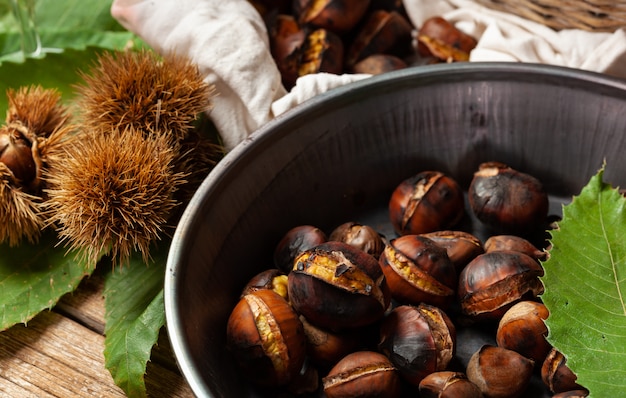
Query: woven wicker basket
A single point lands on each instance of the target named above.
(590, 15)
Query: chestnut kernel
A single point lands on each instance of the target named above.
(361, 236)
(337, 286)
(294, 242)
(322, 51)
(506, 200)
(493, 282)
(362, 374)
(266, 338)
(556, 375)
(418, 270)
(448, 384)
(522, 329)
(426, 202)
(499, 373)
(418, 340)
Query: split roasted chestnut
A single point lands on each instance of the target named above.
(448, 384)
(266, 338)
(362, 374)
(337, 286)
(426, 202)
(377, 64)
(522, 329)
(516, 243)
(419, 340)
(499, 373)
(286, 40)
(294, 242)
(556, 375)
(272, 279)
(462, 247)
(507, 200)
(338, 16)
(322, 51)
(439, 38)
(493, 282)
(418, 270)
(361, 236)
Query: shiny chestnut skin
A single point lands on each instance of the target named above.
(272, 279)
(426, 202)
(439, 38)
(362, 374)
(361, 236)
(337, 286)
(462, 247)
(325, 348)
(377, 64)
(516, 243)
(499, 373)
(522, 329)
(322, 51)
(338, 16)
(16, 154)
(418, 340)
(286, 40)
(294, 242)
(493, 282)
(265, 336)
(507, 200)
(556, 375)
(418, 270)
(448, 384)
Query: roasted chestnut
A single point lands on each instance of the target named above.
(361, 236)
(522, 329)
(337, 286)
(362, 374)
(418, 340)
(325, 348)
(499, 373)
(507, 200)
(448, 384)
(462, 247)
(338, 16)
(493, 282)
(377, 64)
(439, 38)
(286, 40)
(294, 242)
(418, 270)
(516, 243)
(322, 51)
(556, 375)
(426, 202)
(266, 338)
(572, 394)
(272, 279)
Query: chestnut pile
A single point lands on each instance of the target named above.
(357, 314)
(355, 36)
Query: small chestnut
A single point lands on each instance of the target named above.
(507, 200)
(377, 64)
(513, 242)
(448, 384)
(522, 329)
(325, 348)
(362, 374)
(272, 279)
(361, 236)
(294, 242)
(556, 375)
(286, 40)
(16, 154)
(426, 202)
(266, 338)
(418, 340)
(337, 286)
(439, 38)
(322, 51)
(418, 270)
(462, 247)
(493, 282)
(499, 372)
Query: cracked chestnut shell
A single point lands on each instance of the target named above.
(499, 373)
(418, 340)
(448, 384)
(16, 153)
(522, 329)
(516, 243)
(462, 247)
(322, 51)
(294, 242)
(418, 270)
(337, 286)
(556, 375)
(266, 338)
(361, 236)
(362, 374)
(338, 16)
(272, 279)
(493, 282)
(507, 200)
(439, 38)
(426, 202)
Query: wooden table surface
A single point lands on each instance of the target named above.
(60, 353)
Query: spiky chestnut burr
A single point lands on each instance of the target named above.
(113, 192)
(30, 139)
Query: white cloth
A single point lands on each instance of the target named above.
(229, 43)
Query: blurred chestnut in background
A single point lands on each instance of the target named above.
(556, 375)
(294, 242)
(337, 286)
(266, 338)
(447, 384)
(362, 374)
(322, 51)
(522, 329)
(338, 16)
(499, 373)
(493, 282)
(379, 63)
(418, 270)
(418, 340)
(286, 40)
(426, 202)
(363, 237)
(439, 38)
(508, 201)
